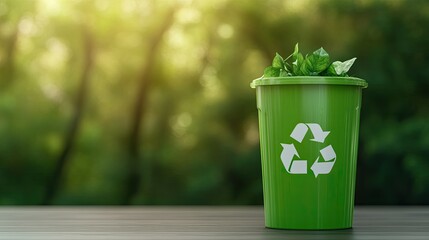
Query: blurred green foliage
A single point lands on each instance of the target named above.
(198, 142)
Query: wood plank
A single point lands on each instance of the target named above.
(199, 222)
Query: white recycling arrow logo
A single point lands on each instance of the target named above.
(300, 166)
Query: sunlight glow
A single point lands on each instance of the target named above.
(225, 31)
(51, 6)
(52, 92)
(296, 6)
(56, 55)
(211, 84)
(188, 15)
(180, 123)
(27, 27)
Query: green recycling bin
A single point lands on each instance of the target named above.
(309, 129)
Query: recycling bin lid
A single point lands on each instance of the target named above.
(309, 80)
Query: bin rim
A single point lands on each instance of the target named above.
(309, 80)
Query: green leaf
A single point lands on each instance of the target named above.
(315, 63)
(271, 72)
(330, 71)
(341, 68)
(283, 73)
(296, 65)
(278, 61)
(288, 68)
(295, 52)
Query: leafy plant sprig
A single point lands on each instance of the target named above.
(315, 64)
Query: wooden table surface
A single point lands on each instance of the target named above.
(199, 222)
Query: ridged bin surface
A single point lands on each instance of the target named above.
(303, 201)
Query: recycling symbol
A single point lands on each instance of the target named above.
(322, 166)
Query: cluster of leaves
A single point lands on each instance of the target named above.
(315, 64)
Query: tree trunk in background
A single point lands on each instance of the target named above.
(7, 65)
(139, 109)
(70, 137)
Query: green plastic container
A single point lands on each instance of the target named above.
(309, 129)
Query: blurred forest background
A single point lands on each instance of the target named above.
(148, 102)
